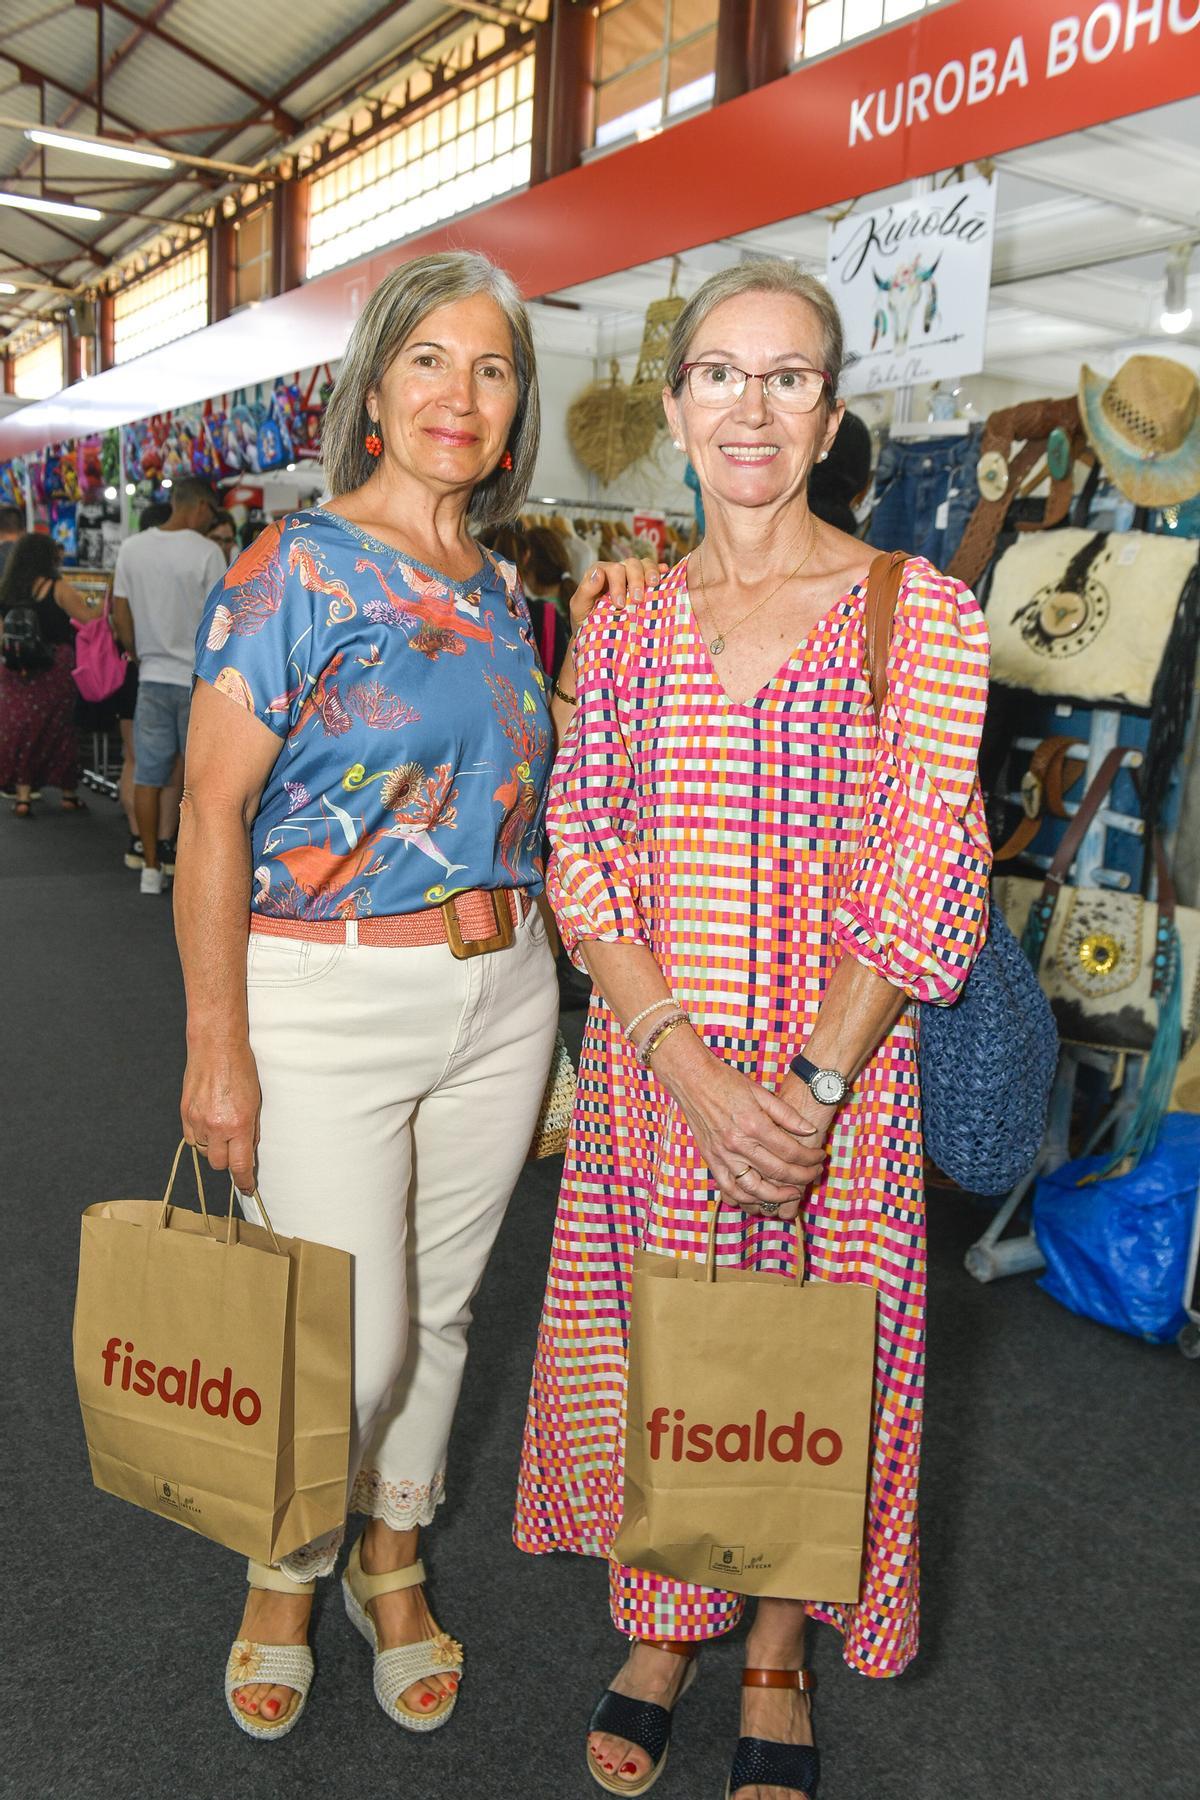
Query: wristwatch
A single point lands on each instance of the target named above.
(825, 1085)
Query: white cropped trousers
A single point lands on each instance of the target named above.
(400, 1089)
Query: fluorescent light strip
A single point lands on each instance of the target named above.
(57, 140)
(61, 209)
(6, 287)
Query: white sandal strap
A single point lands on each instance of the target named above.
(370, 1587)
(262, 1575)
(282, 1665)
(398, 1669)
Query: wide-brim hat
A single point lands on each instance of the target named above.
(1144, 425)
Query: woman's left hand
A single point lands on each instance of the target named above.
(624, 583)
(819, 1120)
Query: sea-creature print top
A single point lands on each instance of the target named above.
(413, 711)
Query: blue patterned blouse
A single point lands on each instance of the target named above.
(413, 712)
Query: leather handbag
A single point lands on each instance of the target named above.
(1106, 959)
(986, 1061)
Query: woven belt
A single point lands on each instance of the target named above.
(472, 924)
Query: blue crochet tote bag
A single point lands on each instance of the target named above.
(987, 1060)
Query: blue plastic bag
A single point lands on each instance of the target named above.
(1117, 1250)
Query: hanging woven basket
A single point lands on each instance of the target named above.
(604, 435)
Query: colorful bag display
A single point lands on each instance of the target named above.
(748, 1428)
(1105, 958)
(1087, 614)
(1117, 1250)
(212, 1360)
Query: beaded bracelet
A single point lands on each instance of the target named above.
(645, 1014)
(659, 1035)
(562, 694)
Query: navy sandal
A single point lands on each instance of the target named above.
(640, 1722)
(759, 1762)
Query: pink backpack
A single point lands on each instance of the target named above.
(99, 663)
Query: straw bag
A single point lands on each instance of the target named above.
(558, 1103)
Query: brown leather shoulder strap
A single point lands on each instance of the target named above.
(1042, 791)
(1077, 830)
(884, 580)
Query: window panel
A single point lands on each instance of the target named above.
(829, 23)
(860, 16)
(629, 33)
(691, 15)
(691, 68)
(470, 148)
(629, 93)
(38, 371)
(162, 306)
(823, 28)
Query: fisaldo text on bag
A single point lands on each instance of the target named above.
(178, 1386)
(741, 1443)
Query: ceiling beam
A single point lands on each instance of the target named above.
(35, 77)
(283, 121)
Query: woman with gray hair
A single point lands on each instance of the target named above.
(759, 874)
(371, 998)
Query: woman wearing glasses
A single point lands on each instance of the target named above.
(758, 879)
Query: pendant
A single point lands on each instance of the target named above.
(717, 645)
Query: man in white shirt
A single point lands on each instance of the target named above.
(162, 579)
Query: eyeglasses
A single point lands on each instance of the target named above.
(721, 384)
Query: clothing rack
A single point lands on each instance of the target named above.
(625, 508)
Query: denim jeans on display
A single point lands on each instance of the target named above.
(925, 493)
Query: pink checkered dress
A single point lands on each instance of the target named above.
(751, 845)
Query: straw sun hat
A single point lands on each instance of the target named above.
(1144, 425)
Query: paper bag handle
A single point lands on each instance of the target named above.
(256, 1197)
(710, 1260)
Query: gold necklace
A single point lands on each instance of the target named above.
(718, 643)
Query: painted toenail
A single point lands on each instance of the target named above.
(629, 1768)
(428, 1700)
(271, 1706)
(252, 1706)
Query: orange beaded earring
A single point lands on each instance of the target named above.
(373, 444)
(506, 462)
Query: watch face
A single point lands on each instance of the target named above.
(827, 1087)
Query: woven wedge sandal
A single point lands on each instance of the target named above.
(760, 1762)
(283, 1665)
(640, 1722)
(398, 1669)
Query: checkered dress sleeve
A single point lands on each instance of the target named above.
(916, 905)
(592, 879)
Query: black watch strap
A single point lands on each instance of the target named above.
(808, 1073)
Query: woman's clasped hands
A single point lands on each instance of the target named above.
(763, 1148)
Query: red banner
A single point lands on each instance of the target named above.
(968, 79)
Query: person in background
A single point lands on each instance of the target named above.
(155, 514)
(837, 485)
(162, 579)
(12, 527)
(223, 533)
(39, 745)
(541, 561)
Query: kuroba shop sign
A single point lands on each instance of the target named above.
(912, 281)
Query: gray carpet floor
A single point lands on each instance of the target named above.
(1061, 1487)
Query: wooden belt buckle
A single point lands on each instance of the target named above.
(500, 939)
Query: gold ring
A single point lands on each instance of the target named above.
(748, 1170)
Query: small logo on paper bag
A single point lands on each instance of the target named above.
(169, 1493)
(726, 1559)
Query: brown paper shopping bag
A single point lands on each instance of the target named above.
(748, 1428)
(213, 1366)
